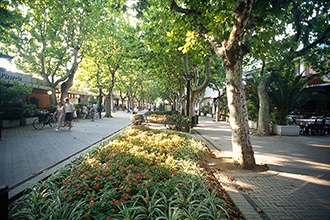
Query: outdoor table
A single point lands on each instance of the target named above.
(309, 122)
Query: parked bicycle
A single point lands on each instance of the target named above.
(45, 118)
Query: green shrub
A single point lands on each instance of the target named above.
(205, 109)
(174, 120)
(142, 174)
(29, 110)
(137, 119)
(178, 122)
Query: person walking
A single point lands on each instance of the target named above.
(69, 109)
(84, 112)
(60, 111)
(92, 112)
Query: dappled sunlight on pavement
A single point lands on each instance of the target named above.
(297, 184)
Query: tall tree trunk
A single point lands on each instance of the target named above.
(263, 114)
(231, 51)
(218, 106)
(195, 92)
(238, 114)
(108, 103)
(65, 86)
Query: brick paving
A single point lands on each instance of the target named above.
(28, 155)
(296, 186)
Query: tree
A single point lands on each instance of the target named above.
(51, 41)
(222, 25)
(218, 83)
(10, 17)
(298, 29)
(199, 87)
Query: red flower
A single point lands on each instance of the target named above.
(91, 203)
(70, 198)
(86, 214)
(97, 185)
(147, 186)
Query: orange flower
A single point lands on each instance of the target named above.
(116, 202)
(97, 185)
(78, 185)
(78, 192)
(70, 198)
(147, 186)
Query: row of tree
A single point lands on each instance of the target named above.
(148, 56)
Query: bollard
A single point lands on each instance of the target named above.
(4, 202)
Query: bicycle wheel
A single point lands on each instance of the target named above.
(38, 123)
(53, 121)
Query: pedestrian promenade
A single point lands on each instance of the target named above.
(28, 155)
(297, 184)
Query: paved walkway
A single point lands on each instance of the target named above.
(297, 184)
(28, 155)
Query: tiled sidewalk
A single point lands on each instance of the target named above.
(28, 155)
(297, 184)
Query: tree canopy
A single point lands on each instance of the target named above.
(143, 49)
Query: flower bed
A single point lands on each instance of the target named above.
(141, 174)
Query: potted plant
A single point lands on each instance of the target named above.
(286, 93)
(10, 116)
(11, 103)
(29, 114)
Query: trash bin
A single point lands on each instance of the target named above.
(193, 121)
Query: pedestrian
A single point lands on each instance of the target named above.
(84, 112)
(69, 109)
(60, 111)
(75, 116)
(91, 113)
(95, 107)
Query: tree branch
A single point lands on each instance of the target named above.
(321, 39)
(175, 8)
(242, 13)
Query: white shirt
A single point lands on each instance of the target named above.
(69, 107)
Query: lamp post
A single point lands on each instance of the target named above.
(0, 106)
(2, 70)
(100, 102)
(188, 78)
